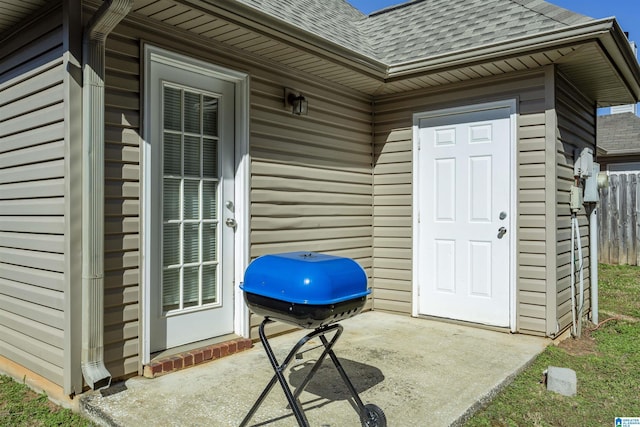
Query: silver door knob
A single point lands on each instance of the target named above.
(230, 222)
(501, 232)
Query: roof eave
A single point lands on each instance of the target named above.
(619, 153)
(605, 31)
(618, 47)
(275, 27)
(494, 51)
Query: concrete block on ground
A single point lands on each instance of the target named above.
(562, 380)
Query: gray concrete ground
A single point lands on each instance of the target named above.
(420, 372)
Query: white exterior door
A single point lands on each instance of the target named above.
(190, 193)
(463, 225)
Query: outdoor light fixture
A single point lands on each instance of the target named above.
(296, 101)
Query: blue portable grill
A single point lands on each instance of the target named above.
(312, 291)
(305, 289)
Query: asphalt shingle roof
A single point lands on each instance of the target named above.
(421, 28)
(619, 132)
(334, 20)
(432, 27)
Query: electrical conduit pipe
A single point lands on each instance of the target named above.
(110, 13)
(593, 259)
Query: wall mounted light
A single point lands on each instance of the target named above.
(296, 101)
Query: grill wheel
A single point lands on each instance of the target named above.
(373, 416)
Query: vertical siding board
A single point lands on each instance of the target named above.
(632, 220)
(624, 220)
(637, 221)
(32, 275)
(602, 220)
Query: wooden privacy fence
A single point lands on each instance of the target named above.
(619, 230)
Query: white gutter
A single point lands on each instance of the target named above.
(103, 22)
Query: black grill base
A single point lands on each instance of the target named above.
(370, 415)
(308, 316)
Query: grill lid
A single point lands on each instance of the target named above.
(306, 278)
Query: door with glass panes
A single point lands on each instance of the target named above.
(191, 189)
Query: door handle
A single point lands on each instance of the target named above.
(230, 222)
(501, 232)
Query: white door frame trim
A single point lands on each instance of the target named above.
(241, 181)
(512, 105)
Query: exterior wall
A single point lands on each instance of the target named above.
(122, 205)
(311, 186)
(393, 194)
(311, 182)
(576, 119)
(33, 166)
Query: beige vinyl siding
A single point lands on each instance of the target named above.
(32, 198)
(393, 194)
(122, 205)
(576, 130)
(311, 179)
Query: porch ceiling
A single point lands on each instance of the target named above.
(590, 56)
(13, 12)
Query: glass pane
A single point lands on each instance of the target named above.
(210, 158)
(209, 200)
(172, 109)
(192, 112)
(208, 242)
(170, 289)
(172, 154)
(191, 285)
(210, 116)
(209, 284)
(171, 199)
(192, 156)
(191, 243)
(170, 245)
(191, 205)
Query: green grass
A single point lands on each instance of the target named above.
(619, 290)
(20, 406)
(606, 361)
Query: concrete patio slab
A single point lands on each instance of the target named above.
(419, 371)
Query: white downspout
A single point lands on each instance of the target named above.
(110, 13)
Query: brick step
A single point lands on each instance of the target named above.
(195, 357)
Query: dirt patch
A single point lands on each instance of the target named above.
(582, 346)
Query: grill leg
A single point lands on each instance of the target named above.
(343, 374)
(279, 370)
(327, 348)
(256, 405)
(279, 376)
